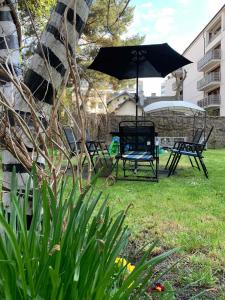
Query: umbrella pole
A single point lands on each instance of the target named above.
(137, 98)
(136, 115)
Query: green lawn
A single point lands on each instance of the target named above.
(185, 210)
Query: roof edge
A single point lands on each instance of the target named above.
(219, 11)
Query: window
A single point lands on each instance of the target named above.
(214, 31)
(214, 92)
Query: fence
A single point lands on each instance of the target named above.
(167, 126)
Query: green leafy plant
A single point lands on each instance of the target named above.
(70, 249)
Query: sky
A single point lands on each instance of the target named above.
(176, 22)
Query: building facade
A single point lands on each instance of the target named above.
(124, 104)
(205, 81)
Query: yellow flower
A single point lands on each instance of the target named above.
(122, 262)
(130, 267)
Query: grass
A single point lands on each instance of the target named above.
(187, 211)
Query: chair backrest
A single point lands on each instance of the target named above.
(208, 136)
(204, 143)
(70, 138)
(197, 135)
(137, 136)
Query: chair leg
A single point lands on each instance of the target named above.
(117, 166)
(172, 164)
(196, 161)
(135, 167)
(191, 162)
(124, 168)
(157, 167)
(203, 166)
(176, 163)
(152, 167)
(167, 163)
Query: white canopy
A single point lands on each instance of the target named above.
(179, 106)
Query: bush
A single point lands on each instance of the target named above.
(71, 250)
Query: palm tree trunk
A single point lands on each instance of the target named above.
(48, 68)
(44, 81)
(9, 58)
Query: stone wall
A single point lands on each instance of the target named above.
(166, 125)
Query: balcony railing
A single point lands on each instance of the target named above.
(214, 35)
(211, 100)
(209, 57)
(209, 80)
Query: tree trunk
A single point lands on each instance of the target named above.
(9, 56)
(48, 69)
(44, 82)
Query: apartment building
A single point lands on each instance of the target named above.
(205, 80)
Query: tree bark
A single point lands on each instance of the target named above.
(47, 70)
(9, 57)
(44, 82)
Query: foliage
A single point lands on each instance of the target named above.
(33, 15)
(38, 8)
(107, 25)
(187, 211)
(70, 250)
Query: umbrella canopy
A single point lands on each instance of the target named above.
(140, 61)
(179, 106)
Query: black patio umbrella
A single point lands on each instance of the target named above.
(126, 62)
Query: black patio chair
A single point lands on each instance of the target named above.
(71, 140)
(99, 146)
(94, 148)
(196, 139)
(194, 150)
(138, 147)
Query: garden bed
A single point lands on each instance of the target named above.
(186, 211)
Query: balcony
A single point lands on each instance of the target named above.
(209, 60)
(210, 81)
(210, 101)
(214, 34)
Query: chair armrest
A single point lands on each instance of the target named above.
(191, 146)
(176, 144)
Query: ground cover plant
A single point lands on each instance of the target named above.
(186, 211)
(71, 251)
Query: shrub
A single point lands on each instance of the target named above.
(71, 250)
